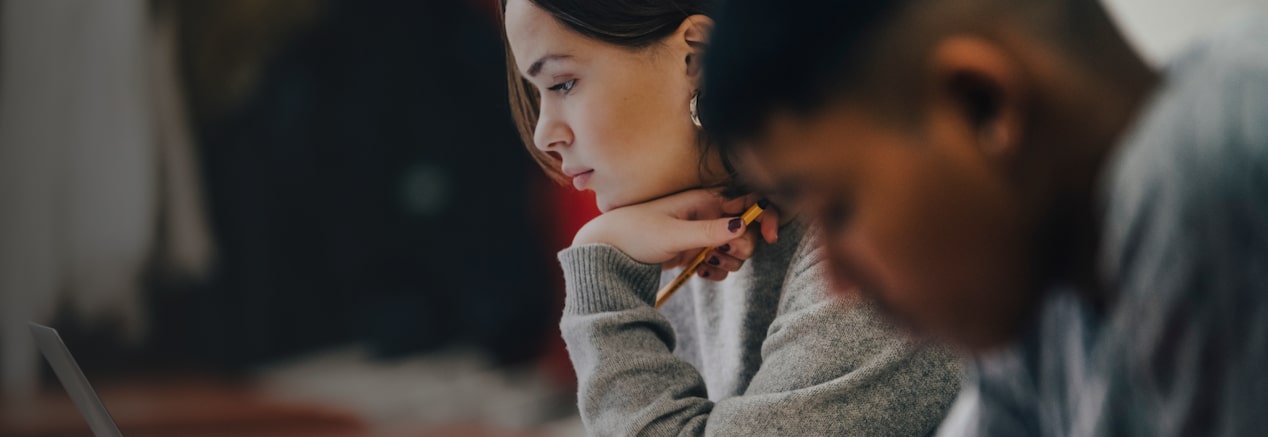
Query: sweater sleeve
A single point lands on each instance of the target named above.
(829, 366)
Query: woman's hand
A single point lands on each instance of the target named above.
(730, 256)
(673, 229)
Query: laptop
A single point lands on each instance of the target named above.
(74, 381)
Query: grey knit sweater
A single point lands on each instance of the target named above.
(770, 351)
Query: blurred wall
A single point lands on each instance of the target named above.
(344, 171)
(1159, 28)
(368, 188)
(98, 185)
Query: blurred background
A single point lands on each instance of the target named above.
(294, 217)
(247, 214)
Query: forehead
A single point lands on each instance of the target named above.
(788, 142)
(799, 148)
(533, 33)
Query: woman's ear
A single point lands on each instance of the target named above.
(695, 31)
(986, 87)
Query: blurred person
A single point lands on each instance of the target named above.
(602, 93)
(99, 180)
(1011, 176)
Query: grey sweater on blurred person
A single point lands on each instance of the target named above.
(770, 351)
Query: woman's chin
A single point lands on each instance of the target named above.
(608, 202)
(606, 205)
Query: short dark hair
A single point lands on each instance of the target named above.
(768, 55)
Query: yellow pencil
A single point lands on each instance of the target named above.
(669, 289)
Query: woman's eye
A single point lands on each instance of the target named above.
(564, 86)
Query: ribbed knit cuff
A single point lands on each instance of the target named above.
(601, 278)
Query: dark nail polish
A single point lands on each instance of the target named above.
(724, 248)
(714, 261)
(704, 274)
(734, 225)
(763, 203)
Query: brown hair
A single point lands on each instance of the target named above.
(633, 24)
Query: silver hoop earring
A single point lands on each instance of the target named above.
(695, 114)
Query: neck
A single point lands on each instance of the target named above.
(1090, 103)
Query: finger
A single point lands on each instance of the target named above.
(711, 273)
(695, 203)
(705, 233)
(677, 261)
(710, 204)
(770, 225)
(740, 248)
(719, 207)
(737, 206)
(724, 262)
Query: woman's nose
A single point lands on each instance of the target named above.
(552, 132)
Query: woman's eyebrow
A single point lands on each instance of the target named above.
(537, 66)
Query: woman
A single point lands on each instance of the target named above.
(604, 96)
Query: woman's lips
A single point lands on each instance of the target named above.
(579, 180)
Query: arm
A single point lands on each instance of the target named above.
(829, 367)
(629, 381)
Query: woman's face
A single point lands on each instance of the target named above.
(617, 118)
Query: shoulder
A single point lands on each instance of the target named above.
(806, 280)
(809, 253)
(1195, 165)
(808, 293)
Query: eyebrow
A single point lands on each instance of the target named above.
(537, 66)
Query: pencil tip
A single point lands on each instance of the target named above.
(763, 203)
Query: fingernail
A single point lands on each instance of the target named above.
(763, 203)
(713, 261)
(704, 274)
(724, 248)
(734, 225)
